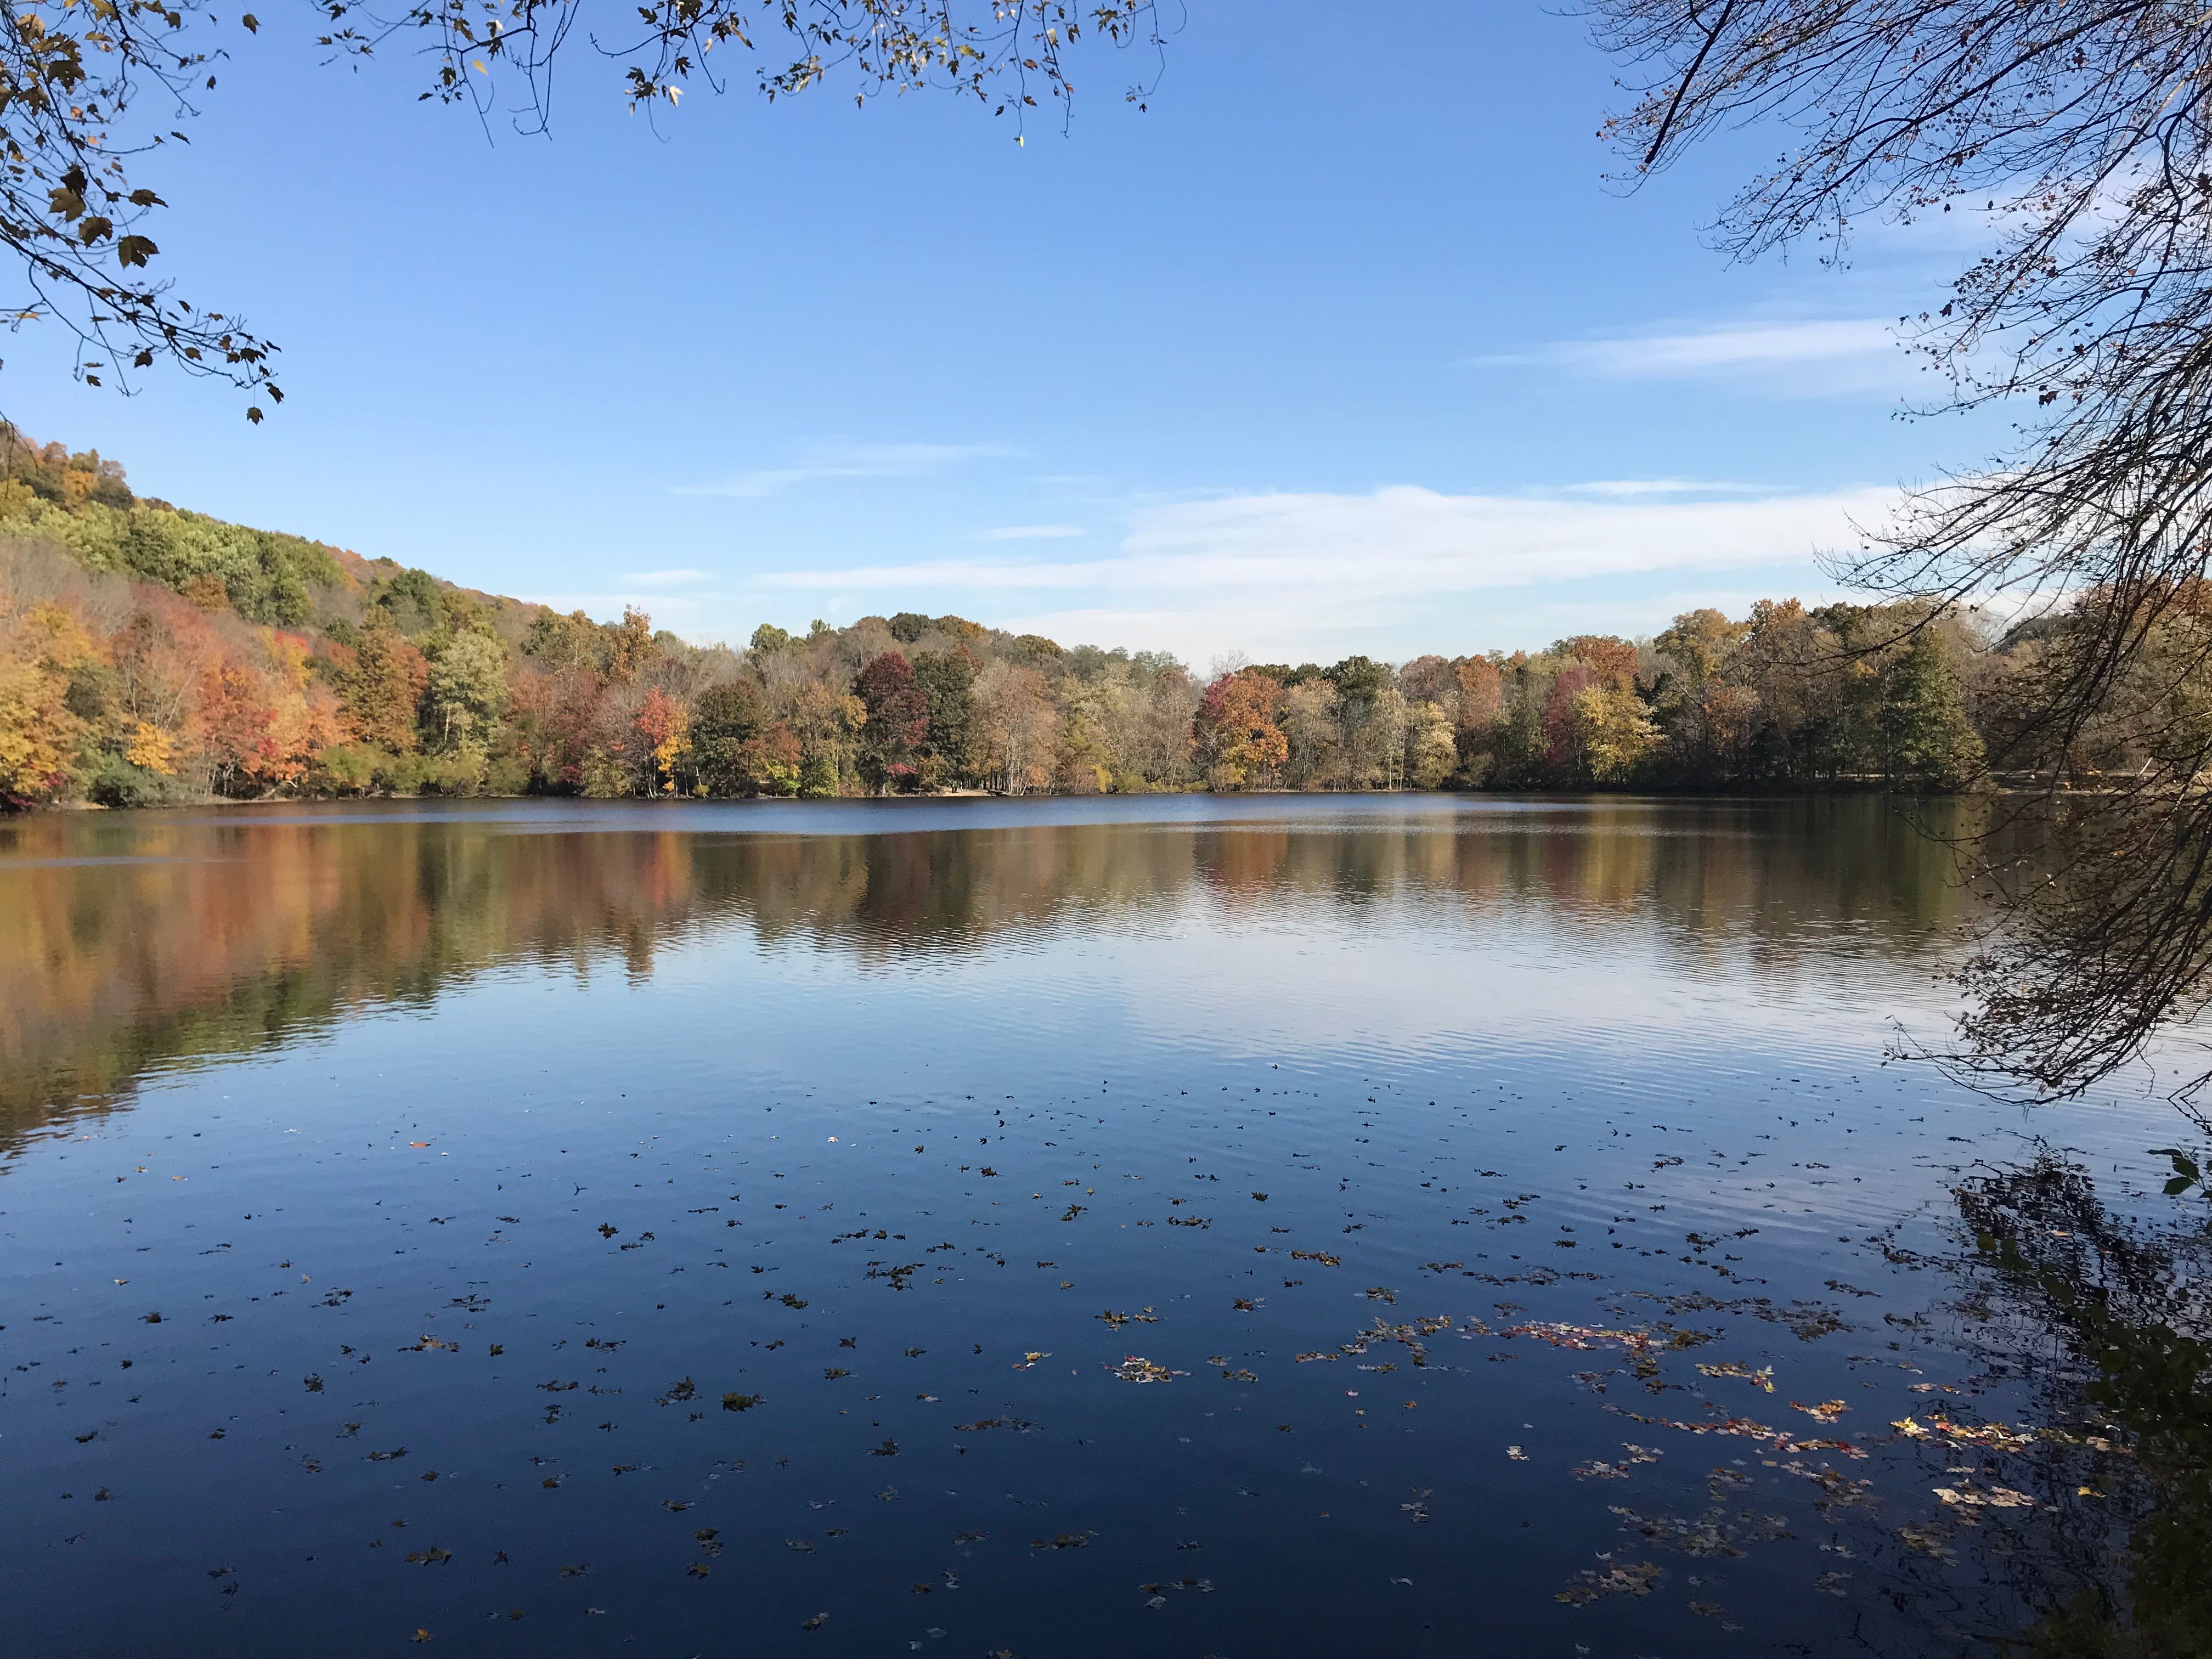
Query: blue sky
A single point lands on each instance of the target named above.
(1343, 345)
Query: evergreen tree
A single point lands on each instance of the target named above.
(1927, 739)
(729, 728)
(947, 679)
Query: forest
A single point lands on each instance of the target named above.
(151, 655)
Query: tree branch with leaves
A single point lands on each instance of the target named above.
(2075, 134)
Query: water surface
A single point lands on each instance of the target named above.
(1280, 1226)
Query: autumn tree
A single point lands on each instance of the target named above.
(897, 721)
(1613, 730)
(1016, 727)
(572, 641)
(1565, 733)
(381, 691)
(1710, 711)
(1238, 741)
(1306, 713)
(1611, 659)
(829, 723)
(39, 733)
(1792, 661)
(257, 728)
(663, 726)
(1431, 746)
(629, 647)
(1431, 679)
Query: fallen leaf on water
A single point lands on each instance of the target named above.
(1135, 1368)
(1995, 1435)
(1761, 1378)
(1992, 1497)
(1590, 1584)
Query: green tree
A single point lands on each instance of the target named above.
(410, 600)
(1927, 737)
(1359, 683)
(947, 679)
(817, 775)
(467, 686)
(731, 741)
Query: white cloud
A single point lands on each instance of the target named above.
(1625, 487)
(1801, 357)
(1290, 574)
(1412, 542)
(1404, 540)
(667, 578)
(1031, 532)
(848, 460)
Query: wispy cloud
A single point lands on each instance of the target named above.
(1404, 540)
(818, 462)
(1284, 573)
(1622, 488)
(1413, 541)
(1031, 532)
(1804, 356)
(667, 578)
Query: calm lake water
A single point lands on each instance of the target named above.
(1264, 1227)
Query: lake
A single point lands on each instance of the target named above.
(1268, 1226)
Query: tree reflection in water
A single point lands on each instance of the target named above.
(133, 942)
(2105, 1316)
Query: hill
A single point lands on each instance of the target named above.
(150, 655)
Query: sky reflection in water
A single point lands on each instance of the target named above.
(738, 1230)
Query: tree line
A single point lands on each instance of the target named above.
(150, 655)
